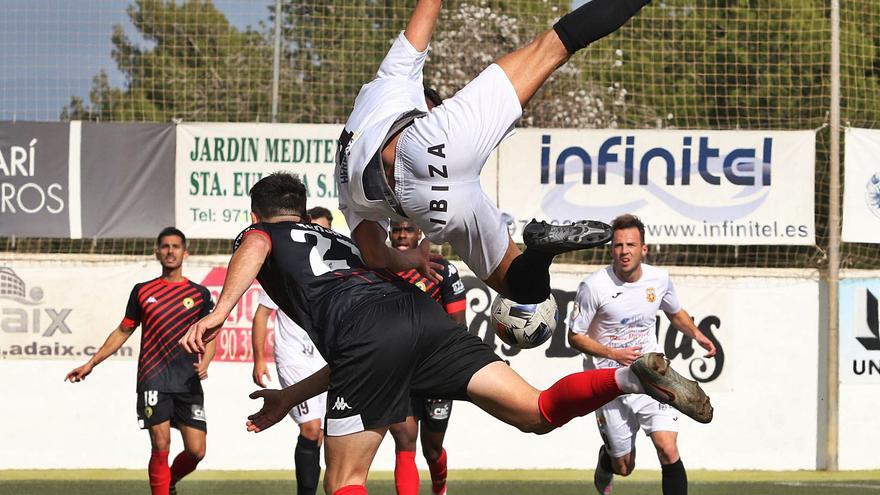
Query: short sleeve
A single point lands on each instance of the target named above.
(670, 303)
(132, 310)
(207, 302)
(257, 228)
(267, 301)
(452, 293)
(585, 307)
(403, 61)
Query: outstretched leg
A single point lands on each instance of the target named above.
(348, 460)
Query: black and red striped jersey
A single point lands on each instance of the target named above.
(165, 311)
(449, 292)
(317, 278)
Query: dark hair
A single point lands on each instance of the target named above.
(433, 96)
(170, 231)
(628, 221)
(278, 194)
(320, 212)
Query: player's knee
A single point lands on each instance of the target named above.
(197, 453)
(624, 468)
(667, 454)
(431, 452)
(310, 430)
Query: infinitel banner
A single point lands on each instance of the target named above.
(130, 180)
(689, 187)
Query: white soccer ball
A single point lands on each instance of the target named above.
(524, 325)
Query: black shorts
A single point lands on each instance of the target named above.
(155, 407)
(433, 413)
(402, 345)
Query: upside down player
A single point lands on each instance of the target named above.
(169, 391)
(385, 340)
(432, 415)
(396, 159)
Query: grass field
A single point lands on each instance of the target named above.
(563, 482)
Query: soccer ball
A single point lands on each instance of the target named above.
(524, 325)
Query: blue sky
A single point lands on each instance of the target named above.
(51, 49)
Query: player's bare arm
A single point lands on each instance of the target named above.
(277, 403)
(370, 239)
(115, 340)
(201, 367)
(587, 345)
(258, 341)
(241, 273)
(685, 324)
(421, 23)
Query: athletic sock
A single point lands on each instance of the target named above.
(594, 20)
(438, 472)
(406, 474)
(675, 478)
(577, 394)
(528, 277)
(160, 475)
(351, 490)
(307, 458)
(628, 382)
(183, 464)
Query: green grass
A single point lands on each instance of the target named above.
(471, 482)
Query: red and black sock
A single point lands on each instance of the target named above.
(578, 394)
(406, 474)
(438, 472)
(183, 464)
(160, 475)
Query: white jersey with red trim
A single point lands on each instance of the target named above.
(293, 347)
(621, 314)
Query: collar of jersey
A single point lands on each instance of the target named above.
(173, 284)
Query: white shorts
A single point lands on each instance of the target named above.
(621, 419)
(437, 169)
(311, 409)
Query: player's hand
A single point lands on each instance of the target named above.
(275, 407)
(261, 370)
(428, 266)
(79, 374)
(705, 343)
(200, 370)
(626, 355)
(200, 333)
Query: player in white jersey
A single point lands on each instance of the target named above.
(613, 323)
(398, 160)
(295, 359)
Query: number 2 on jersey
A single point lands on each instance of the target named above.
(318, 255)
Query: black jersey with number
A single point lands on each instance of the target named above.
(317, 278)
(165, 311)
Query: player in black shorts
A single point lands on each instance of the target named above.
(431, 414)
(385, 340)
(169, 389)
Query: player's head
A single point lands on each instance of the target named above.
(432, 98)
(405, 235)
(278, 195)
(628, 247)
(321, 216)
(171, 248)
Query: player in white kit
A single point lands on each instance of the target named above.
(295, 359)
(613, 323)
(398, 160)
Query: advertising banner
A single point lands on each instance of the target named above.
(689, 187)
(36, 197)
(861, 191)
(859, 331)
(218, 163)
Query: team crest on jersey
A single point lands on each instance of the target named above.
(650, 295)
(188, 303)
(421, 285)
(148, 411)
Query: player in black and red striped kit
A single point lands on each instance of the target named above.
(169, 389)
(385, 340)
(431, 414)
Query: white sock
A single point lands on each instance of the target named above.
(628, 382)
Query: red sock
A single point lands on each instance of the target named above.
(351, 490)
(438, 472)
(160, 475)
(577, 394)
(183, 464)
(406, 474)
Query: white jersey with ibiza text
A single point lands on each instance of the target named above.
(293, 347)
(621, 314)
(396, 90)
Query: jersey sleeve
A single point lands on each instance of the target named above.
(585, 307)
(403, 61)
(452, 292)
(258, 229)
(207, 302)
(133, 310)
(670, 303)
(267, 301)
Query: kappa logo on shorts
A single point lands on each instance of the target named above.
(340, 405)
(198, 412)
